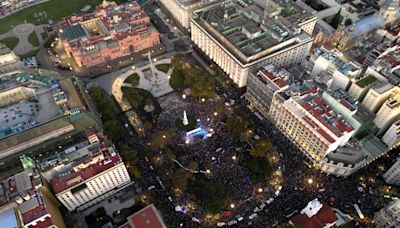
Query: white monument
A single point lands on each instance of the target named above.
(185, 119)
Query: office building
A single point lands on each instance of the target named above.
(309, 122)
(109, 33)
(262, 85)
(240, 37)
(392, 175)
(85, 174)
(389, 216)
(181, 10)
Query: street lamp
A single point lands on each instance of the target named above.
(164, 136)
(203, 100)
(260, 190)
(310, 181)
(208, 171)
(232, 205)
(234, 157)
(215, 113)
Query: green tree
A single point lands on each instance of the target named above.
(170, 154)
(193, 165)
(113, 129)
(128, 154)
(239, 125)
(214, 195)
(348, 22)
(336, 20)
(262, 149)
(260, 169)
(180, 179)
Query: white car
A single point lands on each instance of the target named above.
(170, 199)
(151, 187)
(221, 224)
(233, 222)
(240, 219)
(256, 210)
(252, 216)
(262, 206)
(196, 220)
(151, 167)
(270, 200)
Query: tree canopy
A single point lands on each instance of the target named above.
(262, 149)
(213, 195)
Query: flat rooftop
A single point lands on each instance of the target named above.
(244, 30)
(189, 2)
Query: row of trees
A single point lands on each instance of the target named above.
(112, 125)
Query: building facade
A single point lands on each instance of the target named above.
(86, 173)
(392, 176)
(238, 42)
(8, 60)
(261, 87)
(377, 95)
(392, 136)
(389, 112)
(389, 216)
(181, 10)
(109, 33)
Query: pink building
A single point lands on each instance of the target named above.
(110, 32)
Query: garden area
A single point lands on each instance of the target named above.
(10, 42)
(133, 79)
(163, 67)
(33, 39)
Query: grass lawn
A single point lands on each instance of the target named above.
(33, 39)
(44, 35)
(10, 42)
(177, 80)
(163, 67)
(133, 79)
(55, 10)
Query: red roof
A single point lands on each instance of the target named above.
(148, 217)
(325, 216)
(347, 104)
(34, 213)
(46, 223)
(59, 183)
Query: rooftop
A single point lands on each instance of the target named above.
(148, 217)
(325, 215)
(242, 28)
(84, 168)
(366, 81)
(341, 63)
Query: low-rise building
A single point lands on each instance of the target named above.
(85, 174)
(317, 214)
(148, 217)
(240, 37)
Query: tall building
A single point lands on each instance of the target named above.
(109, 33)
(359, 88)
(309, 122)
(82, 175)
(8, 60)
(181, 10)
(262, 85)
(239, 36)
(389, 216)
(392, 176)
